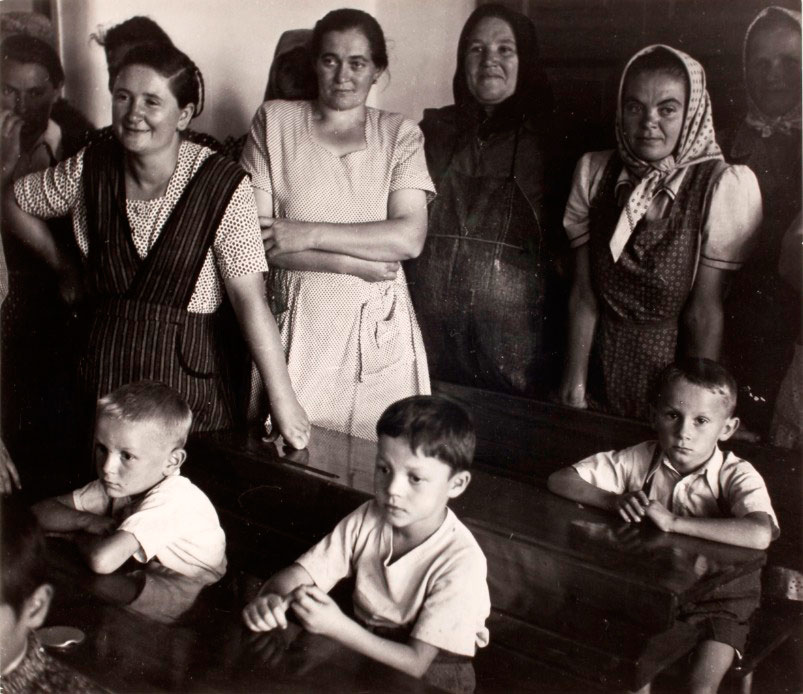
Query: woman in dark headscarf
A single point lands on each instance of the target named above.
(479, 287)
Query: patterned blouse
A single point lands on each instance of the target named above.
(236, 251)
(729, 232)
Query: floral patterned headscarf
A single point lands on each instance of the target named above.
(696, 144)
(756, 119)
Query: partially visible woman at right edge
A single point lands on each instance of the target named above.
(768, 141)
(656, 224)
(480, 285)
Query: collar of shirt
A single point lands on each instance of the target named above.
(710, 468)
(44, 153)
(10, 667)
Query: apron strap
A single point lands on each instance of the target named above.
(113, 260)
(167, 275)
(512, 173)
(169, 272)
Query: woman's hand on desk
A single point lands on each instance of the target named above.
(573, 395)
(291, 420)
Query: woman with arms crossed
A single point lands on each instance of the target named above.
(341, 191)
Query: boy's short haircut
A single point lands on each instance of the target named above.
(149, 401)
(434, 426)
(705, 373)
(22, 552)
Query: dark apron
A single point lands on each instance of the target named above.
(641, 297)
(478, 286)
(141, 328)
(759, 297)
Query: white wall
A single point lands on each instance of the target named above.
(232, 42)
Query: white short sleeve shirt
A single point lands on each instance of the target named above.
(439, 587)
(174, 523)
(723, 482)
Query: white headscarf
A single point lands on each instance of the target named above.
(697, 143)
(756, 119)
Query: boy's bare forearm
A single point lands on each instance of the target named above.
(286, 581)
(568, 483)
(107, 554)
(413, 657)
(55, 515)
(753, 531)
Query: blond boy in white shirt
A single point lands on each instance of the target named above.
(685, 484)
(140, 506)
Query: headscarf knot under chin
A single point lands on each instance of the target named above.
(696, 144)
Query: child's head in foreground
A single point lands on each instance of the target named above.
(140, 432)
(24, 591)
(426, 445)
(693, 410)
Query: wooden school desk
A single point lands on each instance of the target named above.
(527, 440)
(572, 588)
(153, 631)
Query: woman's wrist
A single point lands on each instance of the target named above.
(314, 237)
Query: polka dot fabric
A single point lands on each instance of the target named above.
(697, 143)
(353, 347)
(236, 251)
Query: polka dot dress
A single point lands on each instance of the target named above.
(237, 249)
(353, 347)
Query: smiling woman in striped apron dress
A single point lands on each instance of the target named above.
(165, 226)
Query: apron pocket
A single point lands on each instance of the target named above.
(382, 337)
(195, 348)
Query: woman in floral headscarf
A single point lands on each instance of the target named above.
(656, 224)
(768, 141)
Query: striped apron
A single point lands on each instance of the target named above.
(140, 328)
(642, 296)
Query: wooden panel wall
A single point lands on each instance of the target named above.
(585, 44)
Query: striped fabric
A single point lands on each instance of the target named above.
(141, 328)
